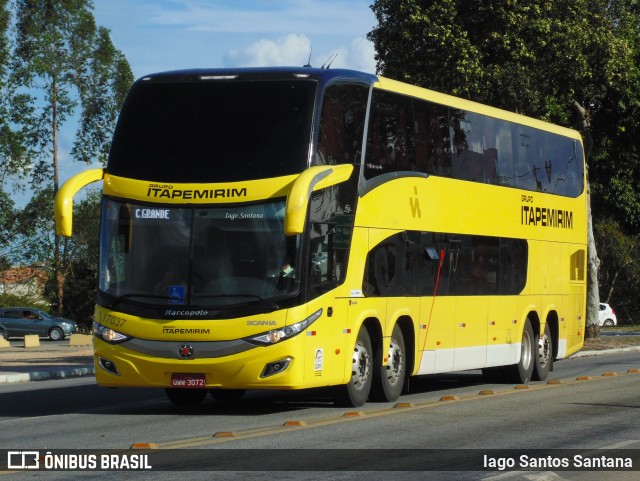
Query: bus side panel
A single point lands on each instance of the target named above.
(502, 342)
(471, 332)
(437, 336)
(575, 320)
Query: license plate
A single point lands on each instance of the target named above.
(188, 380)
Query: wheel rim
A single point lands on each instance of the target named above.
(544, 350)
(56, 334)
(361, 367)
(395, 367)
(526, 349)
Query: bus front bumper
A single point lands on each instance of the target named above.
(261, 367)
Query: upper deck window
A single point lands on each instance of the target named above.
(214, 131)
(410, 134)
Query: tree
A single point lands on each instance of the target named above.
(14, 160)
(83, 251)
(64, 63)
(7, 215)
(35, 225)
(621, 267)
(572, 62)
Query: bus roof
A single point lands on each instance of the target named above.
(325, 75)
(259, 73)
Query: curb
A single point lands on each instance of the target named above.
(604, 351)
(89, 370)
(60, 373)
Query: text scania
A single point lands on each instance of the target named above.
(168, 192)
(262, 323)
(545, 217)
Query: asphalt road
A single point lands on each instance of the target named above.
(595, 413)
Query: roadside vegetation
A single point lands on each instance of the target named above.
(614, 337)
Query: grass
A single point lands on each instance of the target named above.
(614, 341)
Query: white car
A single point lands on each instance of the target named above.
(607, 316)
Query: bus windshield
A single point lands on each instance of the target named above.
(213, 131)
(210, 257)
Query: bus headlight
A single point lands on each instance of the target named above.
(277, 335)
(108, 335)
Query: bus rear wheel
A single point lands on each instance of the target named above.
(521, 372)
(389, 380)
(356, 392)
(544, 355)
(186, 397)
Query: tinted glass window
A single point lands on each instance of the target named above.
(214, 131)
(341, 125)
(331, 214)
(433, 146)
(408, 134)
(423, 263)
(391, 138)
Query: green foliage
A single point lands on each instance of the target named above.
(82, 250)
(619, 273)
(530, 57)
(11, 300)
(7, 216)
(13, 160)
(102, 95)
(66, 62)
(62, 64)
(35, 239)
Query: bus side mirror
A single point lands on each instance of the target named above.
(314, 178)
(63, 206)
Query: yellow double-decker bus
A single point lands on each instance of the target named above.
(293, 228)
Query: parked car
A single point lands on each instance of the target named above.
(20, 321)
(607, 316)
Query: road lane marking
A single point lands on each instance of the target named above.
(353, 416)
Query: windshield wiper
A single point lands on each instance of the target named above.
(272, 305)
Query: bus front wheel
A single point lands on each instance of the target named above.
(388, 380)
(521, 372)
(356, 392)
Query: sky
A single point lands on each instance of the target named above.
(160, 35)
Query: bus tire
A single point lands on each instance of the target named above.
(186, 397)
(356, 392)
(544, 355)
(388, 380)
(521, 372)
